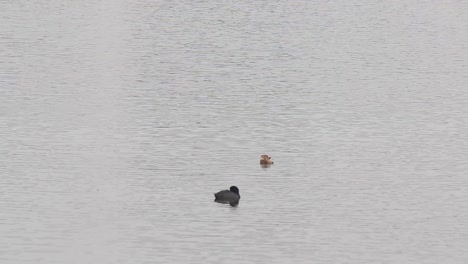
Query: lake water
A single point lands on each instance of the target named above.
(120, 119)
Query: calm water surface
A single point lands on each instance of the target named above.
(120, 119)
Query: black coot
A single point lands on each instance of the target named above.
(231, 195)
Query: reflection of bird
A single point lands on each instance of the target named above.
(265, 160)
(231, 195)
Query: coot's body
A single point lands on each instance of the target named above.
(231, 195)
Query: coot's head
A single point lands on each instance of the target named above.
(234, 189)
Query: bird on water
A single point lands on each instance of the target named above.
(231, 195)
(265, 160)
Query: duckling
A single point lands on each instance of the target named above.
(265, 160)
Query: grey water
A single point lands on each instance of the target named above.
(120, 119)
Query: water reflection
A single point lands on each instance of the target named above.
(231, 203)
